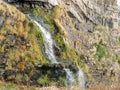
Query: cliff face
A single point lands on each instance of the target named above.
(20, 50)
(85, 15)
(84, 31)
(94, 10)
(91, 27)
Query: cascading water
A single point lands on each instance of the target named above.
(69, 77)
(50, 54)
(48, 42)
(81, 78)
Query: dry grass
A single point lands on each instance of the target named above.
(92, 87)
(60, 88)
(101, 86)
(10, 86)
(105, 87)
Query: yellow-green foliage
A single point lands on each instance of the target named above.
(117, 58)
(101, 51)
(44, 80)
(119, 40)
(58, 33)
(118, 24)
(25, 36)
(38, 43)
(62, 80)
(11, 86)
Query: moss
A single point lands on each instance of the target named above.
(44, 80)
(38, 43)
(119, 24)
(27, 48)
(47, 78)
(119, 40)
(9, 86)
(117, 58)
(62, 80)
(100, 52)
(48, 17)
(58, 32)
(66, 52)
(21, 44)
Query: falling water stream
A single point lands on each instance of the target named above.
(81, 78)
(48, 42)
(50, 54)
(69, 77)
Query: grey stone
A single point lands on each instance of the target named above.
(2, 19)
(90, 28)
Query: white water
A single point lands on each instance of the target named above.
(50, 54)
(48, 42)
(71, 80)
(69, 77)
(81, 78)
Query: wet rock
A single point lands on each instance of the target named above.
(34, 77)
(2, 19)
(110, 23)
(57, 50)
(1, 72)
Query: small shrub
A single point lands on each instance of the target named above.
(101, 51)
(62, 80)
(119, 40)
(117, 57)
(43, 80)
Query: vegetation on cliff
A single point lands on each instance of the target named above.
(21, 44)
(92, 46)
(62, 50)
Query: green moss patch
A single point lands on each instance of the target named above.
(101, 52)
(117, 58)
(57, 31)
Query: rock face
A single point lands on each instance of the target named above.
(92, 10)
(53, 2)
(16, 40)
(88, 26)
(20, 51)
(91, 28)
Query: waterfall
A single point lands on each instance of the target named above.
(50, 54)
(69, 77)
(81, 78)
(48, 42)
